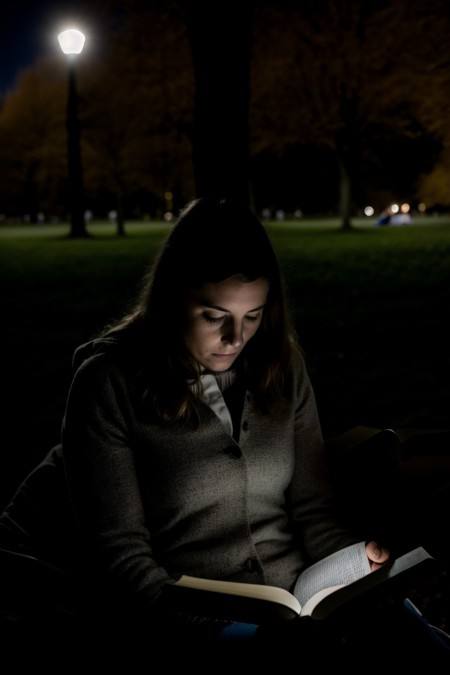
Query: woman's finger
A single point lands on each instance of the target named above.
(376, 553)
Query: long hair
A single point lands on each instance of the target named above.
(212, 240)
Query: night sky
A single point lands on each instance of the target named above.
(28, 30)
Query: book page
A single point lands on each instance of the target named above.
(255, 591)
(308, 608)
(340, 568)
(408, 566)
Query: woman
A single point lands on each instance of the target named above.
(191, 442)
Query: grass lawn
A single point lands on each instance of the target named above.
(370, 308)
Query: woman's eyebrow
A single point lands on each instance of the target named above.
(205, 303)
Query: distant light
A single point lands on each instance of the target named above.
(405, 208)
(71, 41)
(395, 208)
(422, 207)
(168, 216)
(369, 211)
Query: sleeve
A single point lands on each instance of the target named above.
(101, 474)
(310, 495)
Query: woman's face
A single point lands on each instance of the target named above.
(221, 318)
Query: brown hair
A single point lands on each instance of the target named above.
(212, 240)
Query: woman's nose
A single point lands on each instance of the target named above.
(232, 333)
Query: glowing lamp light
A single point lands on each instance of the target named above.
(405, 208)
(395, 208)
(71, 41)
(422, 207)
(369, 211)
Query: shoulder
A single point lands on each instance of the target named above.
(99, 392)
(299, 373)
(106, 348)
(302, 389)
(98, 372)
(94, 367)
(107, 355)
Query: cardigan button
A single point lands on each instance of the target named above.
(233, 451)
(251, 565)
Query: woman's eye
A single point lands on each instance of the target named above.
(212, 319)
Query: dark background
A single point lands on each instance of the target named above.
(322, 107)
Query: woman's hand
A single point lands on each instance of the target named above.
(376, 554)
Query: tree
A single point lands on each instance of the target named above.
(138, 111)
(220, 34)
(335, 75)
(135, 109)
(432, 93)
(33, 141)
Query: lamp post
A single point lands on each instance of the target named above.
(72, 42)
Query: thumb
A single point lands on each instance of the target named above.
(376, 553)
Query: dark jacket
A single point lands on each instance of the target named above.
(158, 503)
(153, 503)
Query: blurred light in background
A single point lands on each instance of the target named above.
(395, 208)
(422, 207)
(369, 211)
(405, 208)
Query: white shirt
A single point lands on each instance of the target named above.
(212, 385)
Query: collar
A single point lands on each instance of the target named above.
(212, 386)
(224, 378)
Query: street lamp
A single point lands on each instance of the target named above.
(72, 42)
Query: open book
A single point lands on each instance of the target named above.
(258, 603)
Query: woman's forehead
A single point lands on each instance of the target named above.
(231, 291)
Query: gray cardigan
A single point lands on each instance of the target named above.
(156, 503)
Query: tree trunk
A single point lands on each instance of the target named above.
(120, 215)
(30, 193)
(220, 37)
(345, 193)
